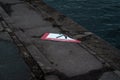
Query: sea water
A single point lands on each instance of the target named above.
(12, 66)
(99, 16)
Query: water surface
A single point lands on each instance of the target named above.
(99, 16)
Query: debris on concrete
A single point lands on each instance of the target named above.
(58, 37)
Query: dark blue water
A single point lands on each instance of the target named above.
(12, 66)
(99, 16)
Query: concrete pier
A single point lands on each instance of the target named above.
(92, 59)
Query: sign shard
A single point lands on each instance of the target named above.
(58, 37)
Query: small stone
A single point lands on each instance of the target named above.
(8, 29)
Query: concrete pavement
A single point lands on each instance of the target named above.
(65, 60)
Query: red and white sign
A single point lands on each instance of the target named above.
(58, 37)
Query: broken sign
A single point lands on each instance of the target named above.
(58, 37)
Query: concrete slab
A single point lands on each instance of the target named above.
(26, 18)
(68, 58)
(63, 55)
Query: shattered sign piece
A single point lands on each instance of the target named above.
(58, 37)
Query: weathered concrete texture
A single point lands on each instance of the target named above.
(64, 55)
(109, 76)
(96, 44)
(55, 58)
(52, 77)
(5, 36)
(61, 55)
